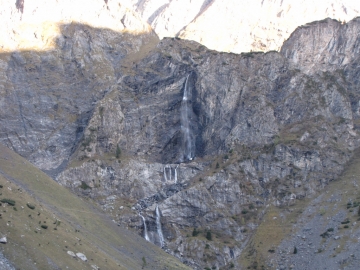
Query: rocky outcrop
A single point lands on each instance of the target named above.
(238, 25)
(193, 143)
(54, 67)
(268, 130)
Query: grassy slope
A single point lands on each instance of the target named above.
(277, 224)
(83, 227)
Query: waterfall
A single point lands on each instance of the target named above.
(146, 236)
(158, 226)
(188, 141)
(168, 172)
(176, 174)
(165, 174)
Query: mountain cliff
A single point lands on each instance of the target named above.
(238, 25)
(215, 157)
(55, 68)
(266, 129)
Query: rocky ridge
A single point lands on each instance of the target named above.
(101, 111)
(238, 25)
(54, 68)
(268, 131)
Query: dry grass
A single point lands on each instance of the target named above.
(272, 230)
(83, 227)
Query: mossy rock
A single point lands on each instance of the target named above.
(31, 206)
(8, 201)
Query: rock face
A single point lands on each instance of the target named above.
(269, 128)
(53, 70)
(193, 143)
(239, 25)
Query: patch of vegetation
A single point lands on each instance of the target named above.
(86, 142)
(208, 235)
(346, 221)
(44, 226)
(8, 201)
(250, 54)
(195, 232)
(84, 185)
(31, 206)
(325, 235)
(118, 151)
(295, 250)
(144, 262)
(101, 111)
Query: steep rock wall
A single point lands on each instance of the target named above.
(54, 68)
(268, 131)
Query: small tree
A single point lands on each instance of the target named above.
(208, 236)
(118, 151)
(195, 232)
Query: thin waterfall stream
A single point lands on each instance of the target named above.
(146, 236)
(168, 172)
(176, 174)
(158, 226)
(188, 141)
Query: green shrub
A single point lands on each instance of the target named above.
(84, 185)
(57, 222)
(346, 221)
(31, 206)
(208, 236)
(295, 250)
(144, 262)
(195, 232)
(44, 226)
(118, 151)
(8, 201)
(330, 229)
(244, 212)
(325, 235)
